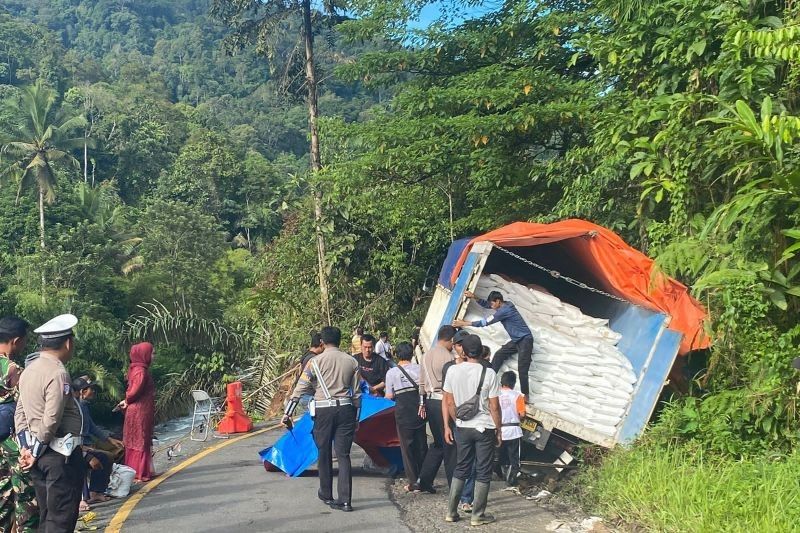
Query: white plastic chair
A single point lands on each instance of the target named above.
(205, 408)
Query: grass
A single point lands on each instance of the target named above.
(678, 489)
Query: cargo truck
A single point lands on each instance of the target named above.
(592, 268)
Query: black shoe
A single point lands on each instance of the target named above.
(326, 501)
(429, 490)
(346, 507)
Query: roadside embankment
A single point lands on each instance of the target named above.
(657, 487)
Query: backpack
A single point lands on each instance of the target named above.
(7, 419)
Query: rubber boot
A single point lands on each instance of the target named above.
(479, 516)
(456, 488)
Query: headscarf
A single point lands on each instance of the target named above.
(141, 354)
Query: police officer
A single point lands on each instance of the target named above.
(332, 377)
(49, 427)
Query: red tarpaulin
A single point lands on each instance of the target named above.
(623, 271)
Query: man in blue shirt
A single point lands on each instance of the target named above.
(521, 337)
(99, 461)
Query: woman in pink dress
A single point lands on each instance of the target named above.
(139, 406)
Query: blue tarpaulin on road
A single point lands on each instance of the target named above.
(296, 451)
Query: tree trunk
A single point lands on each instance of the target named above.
(41, 238)
(41, 218)
(85, 161)
(450, 206)
(316, 162)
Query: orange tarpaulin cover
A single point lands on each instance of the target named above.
(624, 271)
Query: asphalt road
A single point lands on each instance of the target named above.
(229, 490)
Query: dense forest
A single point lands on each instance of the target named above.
(179, 162)
(179, 201)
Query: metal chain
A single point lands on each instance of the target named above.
(558, 275)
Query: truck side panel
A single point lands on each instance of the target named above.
(430, 328)
(640, 329)
(651, 381)
(457, 294)
(467, 279)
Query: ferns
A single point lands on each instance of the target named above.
(180, 325)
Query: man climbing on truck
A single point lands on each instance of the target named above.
(521, 337)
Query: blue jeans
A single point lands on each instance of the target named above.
(469, 486)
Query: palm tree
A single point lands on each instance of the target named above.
(98, 206)
(40, 140)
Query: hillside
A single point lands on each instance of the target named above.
(183, 136)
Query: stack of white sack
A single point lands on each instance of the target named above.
(577, 372)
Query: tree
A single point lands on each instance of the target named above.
(180, 243)
(262, 23)
(86, 98)
(41, 140)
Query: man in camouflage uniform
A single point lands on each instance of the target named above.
(17, 497)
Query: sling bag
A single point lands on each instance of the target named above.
(470, 409)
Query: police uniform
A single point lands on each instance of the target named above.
(49, 424)
(332, 377)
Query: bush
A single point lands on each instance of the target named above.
(683, 488)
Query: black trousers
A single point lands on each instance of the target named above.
(413, 445)
(98, 479)
(58, 482)
(475, 447)
(524, 347)
(439, 451)
(335, 426)
(509, 456)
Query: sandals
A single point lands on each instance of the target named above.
(413, 488)
(84, 507)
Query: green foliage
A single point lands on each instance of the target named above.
(662, 487)
(179, 244)
(182, 159)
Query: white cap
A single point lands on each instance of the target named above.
(60, 326)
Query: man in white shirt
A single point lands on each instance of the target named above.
(384, 347)
(512, 408)
(402, 387)
(477, 433)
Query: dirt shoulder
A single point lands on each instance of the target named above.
(514, 511)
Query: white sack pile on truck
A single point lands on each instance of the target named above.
(576, 372)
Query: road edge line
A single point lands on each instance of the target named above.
(122, 514)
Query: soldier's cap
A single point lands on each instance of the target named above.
(60, 326)
(472, 346)
(81, 383)
(11, 324)
(460, 335)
